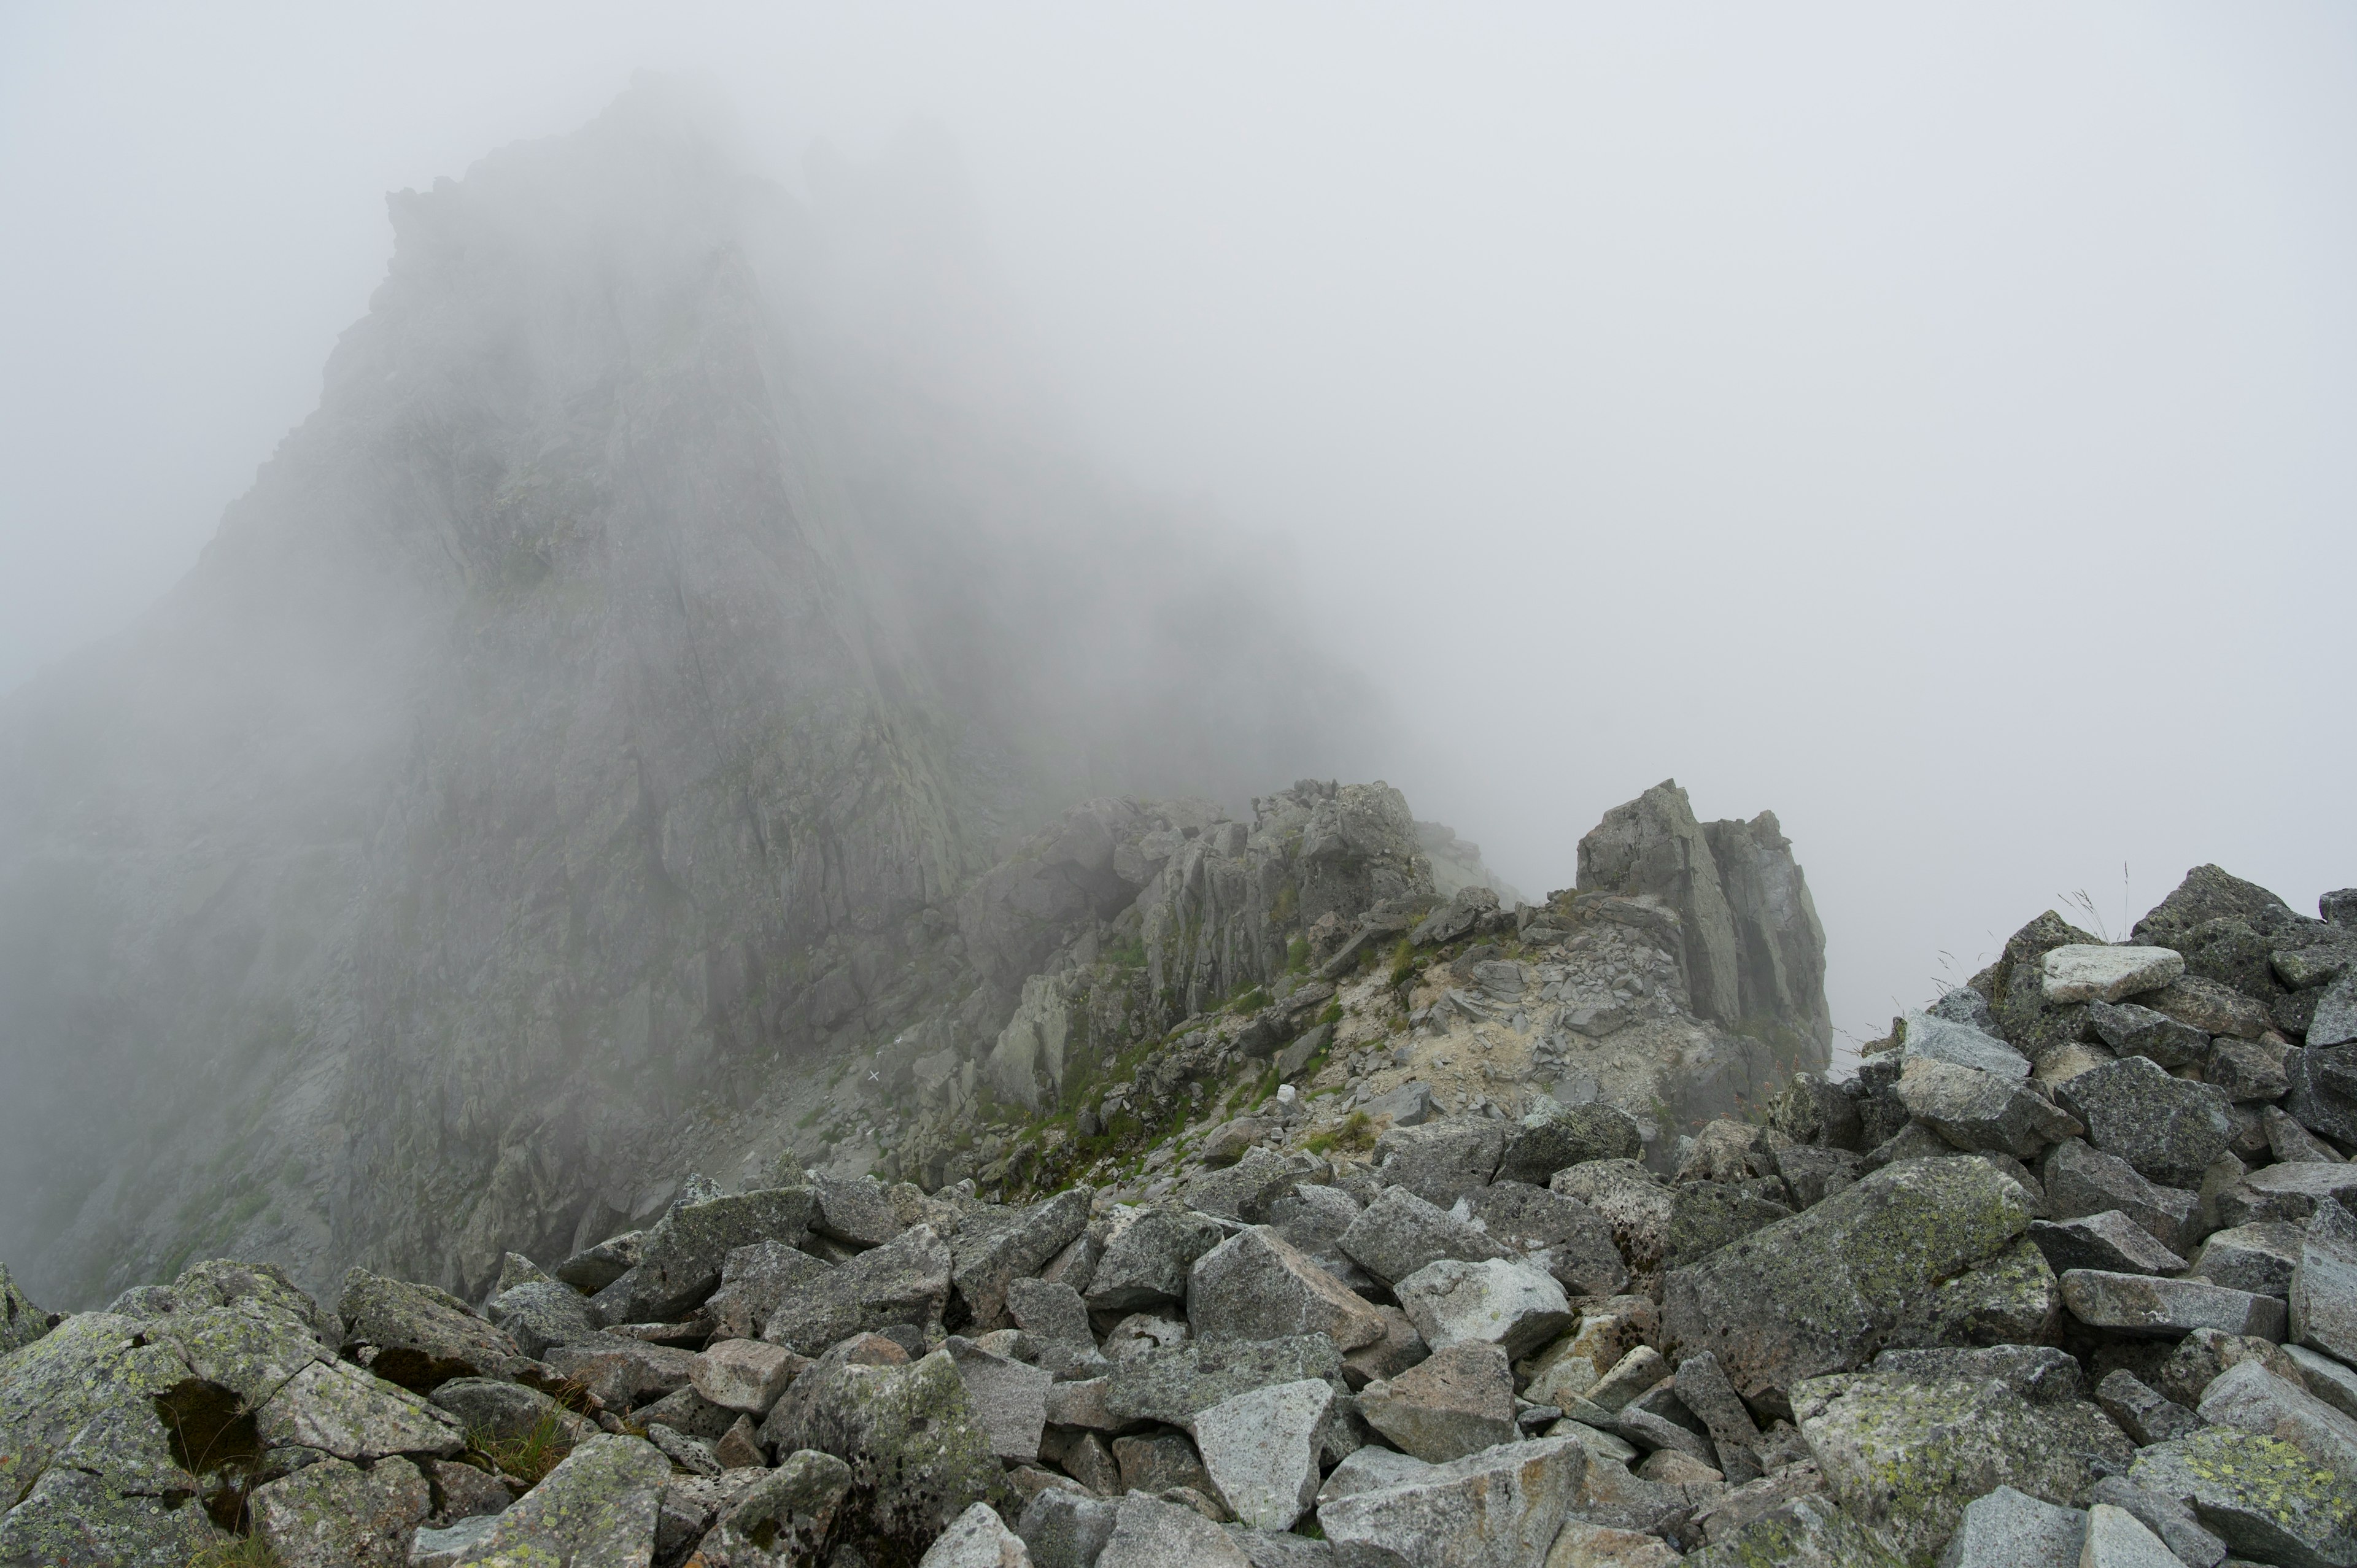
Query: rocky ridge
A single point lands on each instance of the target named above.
(2066, 1273)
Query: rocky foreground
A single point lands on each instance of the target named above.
(2067, 1273)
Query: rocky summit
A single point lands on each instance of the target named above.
(655, 963)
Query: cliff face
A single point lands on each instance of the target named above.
(594, 709)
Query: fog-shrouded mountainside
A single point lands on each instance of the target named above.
(681, 593)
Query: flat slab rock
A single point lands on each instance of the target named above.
(2146, 1305)
(2082, 972)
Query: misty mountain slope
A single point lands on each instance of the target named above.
(571, 728)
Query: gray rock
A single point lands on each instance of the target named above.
(1049, 1310)
(1497, 1508)
(1255, 1287)
(1931, 1038)
(2080, 1181)
(1440, 1162)
(1548, 1141)
(444, 1548)
(1277, 1548)
(2331, 1380)
(2259, 1258)
(2177, 1526)
(2247, 1073)
(1497, 1302)
(1147, 1259)
(744, 1375)
(415, 1336)
(856, 1212)
(2006, 1528)
(2212, 1008)
(1904, 1451)
(2167, 1129)
(906, 1281)
(1658, 1225)
(594, 1268)
(1009, 1399)
(1261, 1450)
(1877, 1264)
(2143, 1412)
(1064, 1530)
(1978, 1111)
(755, 1282)
(1150, 1533)
(1458, 1401)
(1400, 1232)
(786, 1516)
(688, 1410)
(1813, 1175)
(2133, 1031)
(538, 1314)
(690, 1455)
(1171, 1385)
(977, 1539)
(2141, 1305)
(2264, 1496)
(596, 1509)
(1400, 1347)
(919, 1453)
(2099, 973)
(1245, 1190)
(2117, 1538)
(621, 1371)
(1580, 1544)
(505, 1409)
(21, 1321)
(1807, 1532)
(680, 1256)
(2250, 1396)
(1704, 1389)
(2201, 1355)
(1409, 1105)
(2109, 1240)
(2334, 1021)
(2290, 1142)
(1157, 1463)
(990, 1251)
(2322, 1098)
(1580, 1249)
(2323, 1292)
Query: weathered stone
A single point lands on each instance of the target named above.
(594, 1268)
(2180, 1529)
(444, 1548)
(2334, 1022)
(2250, 1396)
(1498, 1302)
(785, 1517)
(2144, 1305)
(1497, 1509)
(1064, 1530)
(990, 1251)
(462, 1491)
(689, 1412)
(680, 1257)
(1255, 1285)
(1009, 1399)
(1244, 1190)
(1157, 1463)
(2133, 1031)
(2247, 1073)
(1409, 1105)
(2206, 1005)
(2109, 1240)
(1933, 1038)
(72, 1519)
(596, 1509)
(1904, 1451)
(1261, 1450)
(621, 1371)
(2288, 1141)
(2259, 1258)
(1657, 1225)
(1147, 1256)
(977, 1537)
(504, 1410)
(2201, 1355)
(2322, 1097)
(2116, 1539)
(1400, 1347)
(538, 1314)
(906, 1281)
(1049, 1310)
(1978, 1111)
(1863, 1270)
(1547, 1141)
(2323, 1290)
(1458, 1401)
(2081, 1181)
(1150, 1533)
(919, 1455)
(1704, 1389)
(1578, 1246)
(2167, 1129)
(334, 1515)
(1807, 1532)
(2264, 1496)
(420, 1336)
(21, 1321)
(1580, 1544)
(1440, 1162)
(2331, 1380)
(2143, 1412)
(2099, 973)
(1171, 1386)
(1813, 1175)
(755, 1282)
(744, 1375)
(2007, 1528)
(857, 1212)
(1399, 1233)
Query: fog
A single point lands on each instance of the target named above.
(1930, 424)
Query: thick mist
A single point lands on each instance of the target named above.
(1931, 425)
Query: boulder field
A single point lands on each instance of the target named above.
(2066, 1274)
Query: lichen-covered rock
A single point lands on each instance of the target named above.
(1399, 1233)
(1977, 1111)
(21, 1321)
(2323, 1289)
(1458, 1401)
(1171, 1385)
(785, 1517)
(415, 1335)
(1659, 1226)
(1442, 1161)
(71, 1519)
(1256, 1285)
(89, 1366)
(2007, 1528)
(537, 1314)
(1548, 1141)
(596, 1509)
(342, 1410)
(1863, 1271)
(991, 1249)
(977, 1537)
(1065, 1529)
(1009, 1399)
(2081, 1181)
(334, 1515)
(2146, 1305)
(1904, 1451)
(1575, 1242)
(1497, 1509)
(2265, 1498)
(2167, 1129)
(919, 1455)
(2250, 1396)
(906, 1281)
(1261, 1449)
(680, 1256)
(1497, 1302)
(1150, 1533)
(1148, 1254)
(621, 1371)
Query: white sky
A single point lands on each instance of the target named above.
(1938, 424)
